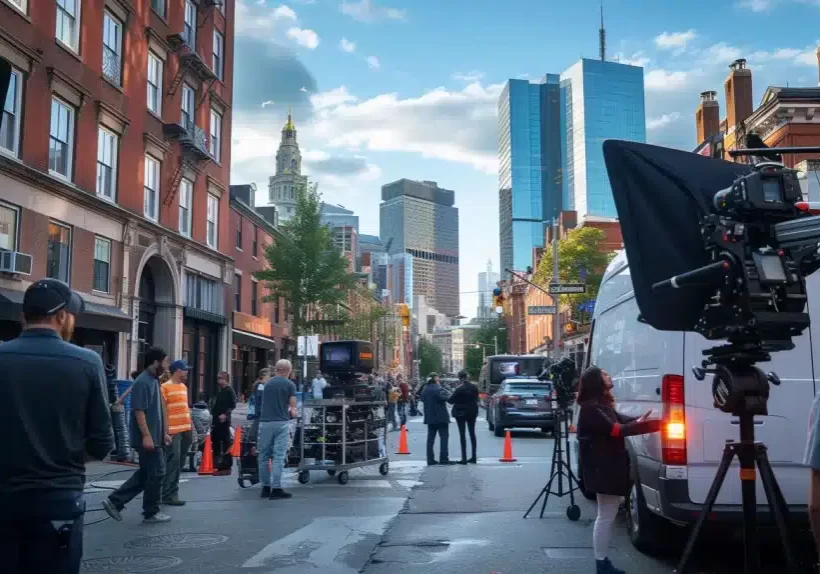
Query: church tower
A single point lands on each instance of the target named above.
(282, 187)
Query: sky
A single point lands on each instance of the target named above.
(387, 89)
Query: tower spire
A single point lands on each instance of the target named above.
(602, 36)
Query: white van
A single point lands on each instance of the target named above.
(650, 368)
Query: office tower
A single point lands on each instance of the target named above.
(282, 187)
(418, 218)
(599, 101)
(338, 216)
(487, 281)
(529, 147)
(400, 278)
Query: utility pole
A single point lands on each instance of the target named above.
(556, 322)
(495, 340)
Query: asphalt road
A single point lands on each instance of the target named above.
(458, 519)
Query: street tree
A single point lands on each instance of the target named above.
(430, 358)
(303, 266)
(483, 342)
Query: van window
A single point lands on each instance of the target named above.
(613, 288)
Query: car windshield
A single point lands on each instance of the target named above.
(537, 388)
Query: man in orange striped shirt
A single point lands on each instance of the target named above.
(175, 395)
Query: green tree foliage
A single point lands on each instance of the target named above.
(429, 358)
(482, 343)
(304, 267)
(360, 325)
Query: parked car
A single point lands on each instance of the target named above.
(521, 403)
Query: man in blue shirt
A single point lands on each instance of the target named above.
(54, 415)
(149, 436)
(278, 408)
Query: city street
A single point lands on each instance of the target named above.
(433, 519)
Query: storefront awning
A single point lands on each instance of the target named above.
(96, 316)
(193, 313)
(251, 340)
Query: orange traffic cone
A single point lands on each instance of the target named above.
(403, 441)
(508, 457)
(236, 447)
(206, 467)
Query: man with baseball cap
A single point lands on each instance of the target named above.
(175, 393)
(54, 416)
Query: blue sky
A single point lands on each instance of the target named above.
(385, 89)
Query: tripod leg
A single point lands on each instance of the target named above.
(725, 461)
(555, 472)
(570, 476)
(777, 507)
(545, 492)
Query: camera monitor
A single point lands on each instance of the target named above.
(346, 357)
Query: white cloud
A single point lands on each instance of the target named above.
(304, 37)
(660, 80)
(469, 77)
(722, 53)
(674, 40)
(259, 22)
(267, 103)
(798, 57)
(335, 97)
(347, 46)
(637, 59)
(755, 5)
(369, 11)
(373, 62)
(662, 121)
(284, 12)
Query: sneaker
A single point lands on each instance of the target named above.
(432, 463)
(157, 518)
(265, 492)
(112, 510)
(605, 567)
(278, 493)
(173, 502)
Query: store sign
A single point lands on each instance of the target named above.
(251, 324)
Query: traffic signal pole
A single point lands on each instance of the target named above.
(556, 319)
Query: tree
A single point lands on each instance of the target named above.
(429, 358)
(483, 343)
(304, 268)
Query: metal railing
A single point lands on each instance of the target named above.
(112, 65)
(196, 136)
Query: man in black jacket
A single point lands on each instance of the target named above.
(224, 404)
(437, 419)
(53, 411)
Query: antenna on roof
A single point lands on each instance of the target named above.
(602, 36)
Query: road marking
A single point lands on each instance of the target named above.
(408, 483)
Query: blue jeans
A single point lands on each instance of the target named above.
(402, 413)
(272, 443)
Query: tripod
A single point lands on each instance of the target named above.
(749, 454)
(560, 470)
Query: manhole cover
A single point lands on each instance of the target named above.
(176, 541)
(129, 563)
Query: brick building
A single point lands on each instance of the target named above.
(114, 171)
(260, 328)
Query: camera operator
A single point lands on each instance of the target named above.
(54, 411)
(604, 460)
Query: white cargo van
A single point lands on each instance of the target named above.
(652, 369)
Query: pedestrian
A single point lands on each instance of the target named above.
(318, 387)
(465, 410)
(175, 394)
(437, 419)
(278, 409)
(148, 431)
(393, 395)
(404, 399)
(255, 400)
(224, 404)
(604, 459)
(54, 410)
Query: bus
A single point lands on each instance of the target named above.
(498, 367)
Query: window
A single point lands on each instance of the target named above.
(151, 191)
(9, 216)
(219, 50)
(59, 252)
(189, 31)
(222, 6)
(61, 141)
(239, 235)
(237, 292)
(186, 193)
(21, 5)
(255, 247)
(102, 264)
(254, 297)
(68, 28)
(112, 49)
(107, 145)
(204, 294)
(158, 6)
(10, 127)
(154, 84)
(216, 135)
(187, 107)
(213, 218)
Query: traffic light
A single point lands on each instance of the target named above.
(498, 300)
(404, 313)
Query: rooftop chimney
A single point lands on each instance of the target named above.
(707, 116)
(738, 93)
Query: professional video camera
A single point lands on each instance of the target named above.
(564, 377)
(344, 362)
(722, 249)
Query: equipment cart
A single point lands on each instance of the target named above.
(340, 434)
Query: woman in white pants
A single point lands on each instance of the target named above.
(604, 459)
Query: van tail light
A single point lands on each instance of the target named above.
(673, 429)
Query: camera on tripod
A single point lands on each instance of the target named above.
(564, 377)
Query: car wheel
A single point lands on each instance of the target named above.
(646, 529)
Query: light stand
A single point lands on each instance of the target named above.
(560, 470)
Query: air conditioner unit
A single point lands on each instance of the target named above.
(15, 262)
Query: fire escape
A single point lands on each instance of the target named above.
(192, 139)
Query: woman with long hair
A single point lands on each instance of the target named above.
(604, 459)
(465, 410)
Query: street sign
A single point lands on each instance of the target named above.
(541, 310)
(567, 288)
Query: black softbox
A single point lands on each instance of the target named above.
(661, 195)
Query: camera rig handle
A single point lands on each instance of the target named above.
(706, 275)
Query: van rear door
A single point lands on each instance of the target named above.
(783, 431)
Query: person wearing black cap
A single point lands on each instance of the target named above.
(465, 410)
(54, 415)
